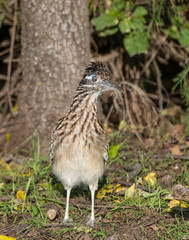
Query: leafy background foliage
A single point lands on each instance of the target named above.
(138, 23)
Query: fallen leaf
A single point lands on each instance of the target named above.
(7, 137)
(184, 205)
(113, 151)
(5, 165)
(102, 192)
(151, 179)
(142, 192)
(175, 150)
(29, 172)
(106, 220)
(20, 195)
(82, 229)
(117, 216)
(129, 193)
(154, 227)
(179, 128)
(149, 142)
(119, 188)
(173, 203)
(2, 237)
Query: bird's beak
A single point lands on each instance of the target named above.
(109, 86)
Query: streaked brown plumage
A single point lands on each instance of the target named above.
(79, 145)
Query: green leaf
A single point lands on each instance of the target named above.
(108, 32)
(108, 19)
(140, 11)
(113, 151)
(125, 25)
(132, 24)
(173, 32)
(34, 210)
(184, 37)
(118, 4)
(136, 42)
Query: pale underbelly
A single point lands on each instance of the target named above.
(75, 164)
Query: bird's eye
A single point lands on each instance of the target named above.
(94, 78)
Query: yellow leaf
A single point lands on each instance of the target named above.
(119, 188)
(2, 237)
(129, 193)
(102, 192)
(184, 205)
(20, 194)
(4, 165)
(140, 181)
(7, 137)
(151, 179)
(173, 203)
(29, 172)
(15, 108)
(1, 185)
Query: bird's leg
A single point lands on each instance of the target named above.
(93, 188)
(66, 217)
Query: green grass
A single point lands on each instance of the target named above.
(42, 190)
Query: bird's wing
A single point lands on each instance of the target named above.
(105, 155)
(52, 146)
(54, 142)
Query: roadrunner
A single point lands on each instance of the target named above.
(79, 145)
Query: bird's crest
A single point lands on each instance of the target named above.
(98, 68)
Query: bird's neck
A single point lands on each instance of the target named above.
(84, 101)
(81, 119)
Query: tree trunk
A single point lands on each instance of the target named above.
(55, 50)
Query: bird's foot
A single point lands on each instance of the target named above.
(67, 220)
(91, 222)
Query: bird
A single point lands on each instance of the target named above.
(79, 146)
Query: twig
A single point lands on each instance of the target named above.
(63, 202)
(9, 69)
(5, 198)
(160, 156)
(108, 57)
(153, 55)
(19, 146)
(56, 225)
(159, 84)
(104, 206)
(8, 50)
(109, 113)
(127, 105)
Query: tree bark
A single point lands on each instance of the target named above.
(55, 50)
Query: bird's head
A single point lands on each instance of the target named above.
(96, 79)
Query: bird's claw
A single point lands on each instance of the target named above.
(91, 222)
(67, 220)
